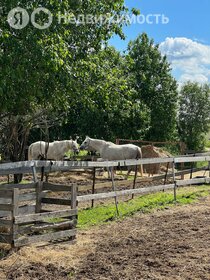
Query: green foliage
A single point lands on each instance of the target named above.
(67, 70)
(38, 67)
(207, 144)
(201, 164)
(135, 11)
(155, 86)
(4, 252)
(147, 203)
(106, 105)
(36, 64)
(194, 115)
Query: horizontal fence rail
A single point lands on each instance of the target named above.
(147, 190)
(43, 216)
(124, 192)
(44, 238)
(53, 166)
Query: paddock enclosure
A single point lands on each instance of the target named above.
(168, 244)
(38, 211)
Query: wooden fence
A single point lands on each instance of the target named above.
(23, 224)
(27, 210)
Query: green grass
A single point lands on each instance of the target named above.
(145, 204)
(54, 220)
(3, 253)
(12, 182)
(201, 164)
(81, 153)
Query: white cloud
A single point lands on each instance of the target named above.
(196, 78)
(189, 58)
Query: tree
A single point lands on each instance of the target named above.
(36, 65)
(105, 99)
(193, 119)
(155, 86)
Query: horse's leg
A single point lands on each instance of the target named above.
(128, 173)
(46, 177)
(120, 171)
(42, 173)
(100, 172)
(109, 170)
(141, 170)
(139, 156)
(134, 180)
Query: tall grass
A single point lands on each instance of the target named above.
(144, 204)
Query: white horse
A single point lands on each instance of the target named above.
(111, 151)
(53, 150)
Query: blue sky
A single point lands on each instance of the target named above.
(185, 39)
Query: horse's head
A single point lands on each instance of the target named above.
(85, 144)
(74, 146)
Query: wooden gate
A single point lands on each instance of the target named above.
(25, 224)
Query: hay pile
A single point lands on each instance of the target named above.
(150, 151)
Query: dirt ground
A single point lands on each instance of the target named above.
(170, 244)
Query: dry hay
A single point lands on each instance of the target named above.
(56, 261)
(150, 151)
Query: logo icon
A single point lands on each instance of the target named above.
(37, 12)
(18, 18)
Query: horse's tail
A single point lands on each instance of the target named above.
(139, 153)
(30, 152)
(139, 156)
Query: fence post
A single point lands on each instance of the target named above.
(15, 208)
(182, 151)
(74, 196)
(73, 206)
(39, 187)
(34, 172)
(93, 186)
(114, 189)
(165, 179)
(117, 141)
(174, 179)
(134, 180)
